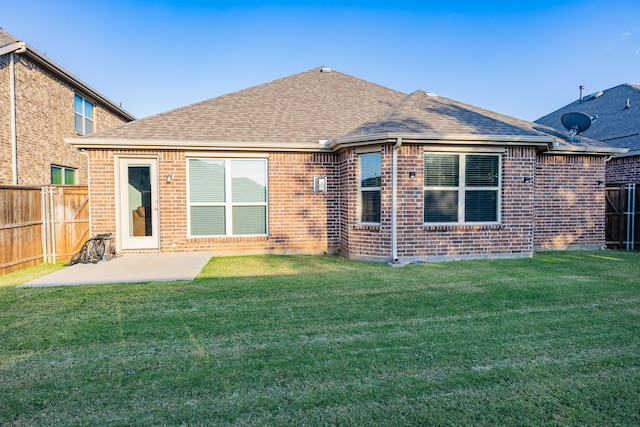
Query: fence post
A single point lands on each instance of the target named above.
(53, 223)
(43, 216)
(631, 219)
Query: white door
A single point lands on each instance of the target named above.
(139, 214)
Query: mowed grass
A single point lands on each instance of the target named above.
(293, 340)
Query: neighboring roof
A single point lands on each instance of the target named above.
(319, 104)
(10, 44)
(616, 126)
(335, 109)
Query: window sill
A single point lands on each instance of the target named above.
(446, 227)
(232, 238)
(364, 226)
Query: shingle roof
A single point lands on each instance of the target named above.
(6, 38)
(321, 104)
(318, 104)
(422, 113)
(616, 126)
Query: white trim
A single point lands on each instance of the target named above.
(225, 155)
(454, 149)
(542, 143)
(126, 242)
(196, 145)
(368, 189)
(228, 203)
(377, 148)
(462, 188)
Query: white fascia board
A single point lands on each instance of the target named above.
(154, 144)
(629, 153)
(603, 151)
(541, 142)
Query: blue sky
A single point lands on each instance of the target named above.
(524, 59)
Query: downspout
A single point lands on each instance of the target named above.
(12, 103)
(394, 201)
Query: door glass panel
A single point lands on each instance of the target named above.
(139, 180)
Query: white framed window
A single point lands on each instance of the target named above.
(227, 197)
(83, 112)
(370, 187)
(462, 188)
(61, 175)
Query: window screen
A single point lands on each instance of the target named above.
(227, 197)
(461, 188)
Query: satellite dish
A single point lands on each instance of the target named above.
(575, 123)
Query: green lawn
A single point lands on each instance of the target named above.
(262, 340)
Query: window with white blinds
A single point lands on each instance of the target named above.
(461, 188)
(227, 197)
(370, 187)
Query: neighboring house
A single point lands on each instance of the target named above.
(41, 103)
(617, 125)
(324, 162)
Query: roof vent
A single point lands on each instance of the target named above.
(628, 104)
(592, 96)
(325, 70)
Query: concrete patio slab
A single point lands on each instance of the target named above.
(127, 268)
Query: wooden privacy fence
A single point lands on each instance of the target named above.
(622, 216)
(41, 224)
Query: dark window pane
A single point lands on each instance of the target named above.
(441, 170)
(370, 170)
(249, 220)
(441, 206)
(78, 123)
(481, 206)
(370, 206)
(88, 126)
(69, 176)
(207, 220)
(206, 181)
(56, 175)
(482, 170)
(248, 181)
(78, 105)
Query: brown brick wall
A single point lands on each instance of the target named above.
(5, 128)
(44, 117)
(622, 170)
(300, 221)
(570, 202)
(514, 236)
(560, 206)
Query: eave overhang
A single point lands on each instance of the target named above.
(156, 144)
(542, 144)
(539, 142)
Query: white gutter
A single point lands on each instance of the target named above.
(133, 144)
(394, 200)
(542, 143)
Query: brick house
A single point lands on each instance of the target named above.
(617, 126)
(324, 162)
(41, 103)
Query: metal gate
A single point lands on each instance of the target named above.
(622, 218)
